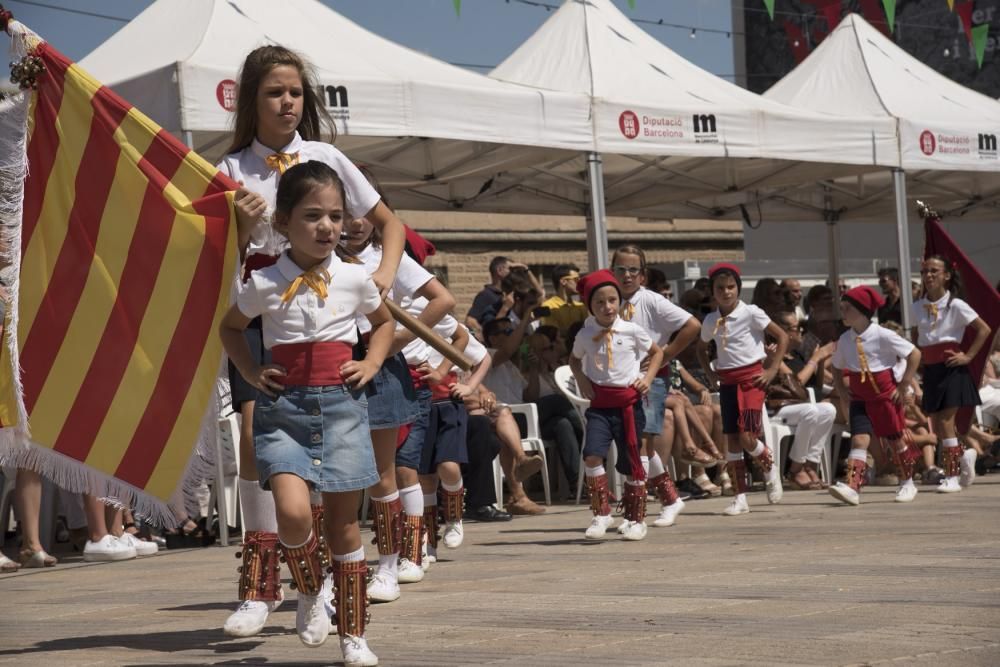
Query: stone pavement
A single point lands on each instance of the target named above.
(807, 582)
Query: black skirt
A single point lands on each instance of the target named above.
(241, 390)
(948, 387)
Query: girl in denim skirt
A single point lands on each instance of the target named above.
(311, 419)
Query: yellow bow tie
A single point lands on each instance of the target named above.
(608, 336)
(932, 312)
(866, 371)
(628, 311)
(281, 161)
(315, 279)
(721, 328)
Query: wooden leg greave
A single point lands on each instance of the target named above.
(454, 504)
(634, 502)
(410, 546)
(388, 523)
(351, 580)
(305, 566)
(260, 573)
(597, 487)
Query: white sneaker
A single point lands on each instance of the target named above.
(142, 547)
(949, 485)
(108, 548)
(774, 489)
(453, 534)
(251, 617)
(633, 530)
(906, 492)
(843, 492)
(311, 620)
(668, 515)
(429, 555)
(738, 506)
(329, 603)
(968, 466)
(356, 652)
(383, 588)
(598, 526)
(410, 572)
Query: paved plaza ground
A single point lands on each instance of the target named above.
(807, 582)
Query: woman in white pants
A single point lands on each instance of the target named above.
(989, 393)
(813, 422)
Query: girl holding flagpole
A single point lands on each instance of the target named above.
(311, 419)
(280, 121)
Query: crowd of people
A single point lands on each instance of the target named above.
(336, 399)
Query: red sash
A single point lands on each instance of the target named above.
(312, 364)
(624, 398)
(935, 354)
(418, 379)
(258, 260)
(442, 390)
(750, 397)
(887, 416)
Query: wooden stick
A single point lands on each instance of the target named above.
(426, 334)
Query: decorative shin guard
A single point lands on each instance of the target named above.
(304, 564)
(634, 502)
(765, 460)
(260, 574)
(454, 502)
(665, 489)
(430, 526)
(738, 474)
(855, 475)
(951, 461)
(410, 547)
(905, 455)
(388, 523)
(351, 580)
(325, 553)
(598, 489)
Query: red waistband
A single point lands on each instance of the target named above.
(742, 374)
(258, 260)
(624, 399)
(614, 397)
(935, 354)
(442, 390)
(880, 385)
(312, 364)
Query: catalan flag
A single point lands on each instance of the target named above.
(124, 250)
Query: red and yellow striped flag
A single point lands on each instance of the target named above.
(127, 254)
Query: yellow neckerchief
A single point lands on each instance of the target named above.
(280, 162)
(315, 279)
(866, 371)
(721, 327)
(608, 336)
(628, 311)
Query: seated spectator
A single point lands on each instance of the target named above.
(564, 309)
(989, 391)
(769, 296)
(794, 289)
(819, 297)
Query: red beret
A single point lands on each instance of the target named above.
(864, 298)
(589, 283)
(726, 267)
(417, 246)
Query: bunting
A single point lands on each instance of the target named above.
(890, 13)
(770, 8)
(122, 246)
(980, 33)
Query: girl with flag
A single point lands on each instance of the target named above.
(311, 419)
(942, 319)
(607, 355)
(280, 121)
(867, 353)
(739, 330)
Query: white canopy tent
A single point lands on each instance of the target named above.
(947, 132)
(674, 136)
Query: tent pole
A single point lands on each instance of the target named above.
(189, 139)
(903, 244)
(597, 223)
(832, 250)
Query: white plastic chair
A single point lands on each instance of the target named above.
(567, 385)
(225, 488)
(532, 441)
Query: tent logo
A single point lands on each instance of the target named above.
(705, 131)
(988, 146)
(927, 142)
(336, 102)
(628, 123)
(225, 92)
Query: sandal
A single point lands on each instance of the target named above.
(705, 484)
(8, 566)
(38, 558)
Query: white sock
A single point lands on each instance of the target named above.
(430, 500)
(387, 499)
(645, 464)
(734, 456)
(740, 498)
(413, 500)
(353, 556)
(596, 471)
(950, 442)
(656, 466)
(907, 483)
(295, 546)
(258, 507)
(451, 487)
(758, 450)
(389, 565)
(635, 482)
(315, 498)
(858, 455)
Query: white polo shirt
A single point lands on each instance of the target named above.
(410, 278)
(307, 317)
(474, 351)
(883, 349)
(949, 327)
(249, 165)
(739, 340)
(656, 314)
(630, 344)
(417, 351)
